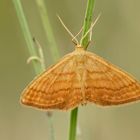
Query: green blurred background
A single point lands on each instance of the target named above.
(116, 37)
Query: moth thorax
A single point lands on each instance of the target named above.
(80, 62)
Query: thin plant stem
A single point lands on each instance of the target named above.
(51, 135)
(73, 124)
(48, 29)
(41, 54)
(37, 57)
(84, 42)
(27, 34)
(87, 23)
(53, 48)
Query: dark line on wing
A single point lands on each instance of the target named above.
(107, 88)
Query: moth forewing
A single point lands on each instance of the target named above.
(107, 84)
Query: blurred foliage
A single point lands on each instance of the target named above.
(115, 37)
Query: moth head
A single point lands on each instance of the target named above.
(79, 48)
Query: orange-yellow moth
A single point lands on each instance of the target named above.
(78, 78)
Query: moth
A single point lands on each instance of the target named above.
(78, 78)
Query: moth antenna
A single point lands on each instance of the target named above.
(92, 25)
(77, 35)
(74, 40)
